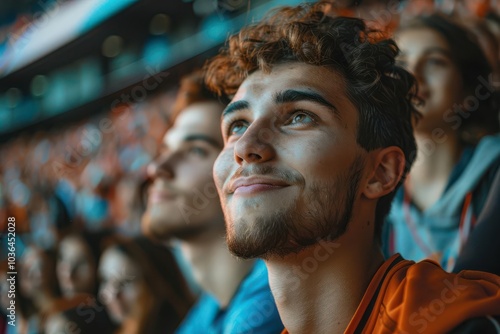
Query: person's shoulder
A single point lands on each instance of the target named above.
(254, 289)
(428, 272)
(423, 296)
(428, 276)
(488, 147)
(486, 152)
(253, 309)
(200, 315)
(205, 305)
(489, 140)
(256, 281)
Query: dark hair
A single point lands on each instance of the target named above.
(171, 297)
(472, 63)
(192, 90)
(381, 91)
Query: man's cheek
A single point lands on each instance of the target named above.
(221, 170)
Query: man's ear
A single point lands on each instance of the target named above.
(388, 169)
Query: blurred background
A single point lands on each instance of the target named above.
(86, 88)
(85, 92)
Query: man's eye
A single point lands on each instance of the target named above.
(301, 118)
(198, 151)
(436, 61)
(237, 128)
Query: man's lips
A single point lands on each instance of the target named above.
(249, 185)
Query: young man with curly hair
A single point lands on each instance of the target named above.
(317, 138)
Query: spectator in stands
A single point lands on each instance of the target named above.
(436, 210)
(183, 204)
(142, 287)
(318, 137)
(78, 257)
(79, 311)
(38, 291)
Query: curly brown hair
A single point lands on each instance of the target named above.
(192, 90)
(381, 91)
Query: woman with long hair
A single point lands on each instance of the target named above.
(458, 146)
(142, 287)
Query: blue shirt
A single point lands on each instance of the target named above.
(252, 310)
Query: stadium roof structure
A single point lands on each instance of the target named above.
(75, 58)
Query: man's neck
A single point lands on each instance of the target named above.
(215, 269)
(319, 289)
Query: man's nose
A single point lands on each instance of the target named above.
(416, 69)
(256, 143)
(161, 166)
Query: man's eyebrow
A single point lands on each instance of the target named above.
(292, 95)
(235, 106)
(204, 138)
(438, 50)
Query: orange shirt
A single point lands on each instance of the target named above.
(409, 297)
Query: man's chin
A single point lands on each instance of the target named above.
(270, 236)
(257, 245)
(260, 249)
(154, 228)
(242, 251)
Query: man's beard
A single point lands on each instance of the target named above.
(325, 215)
